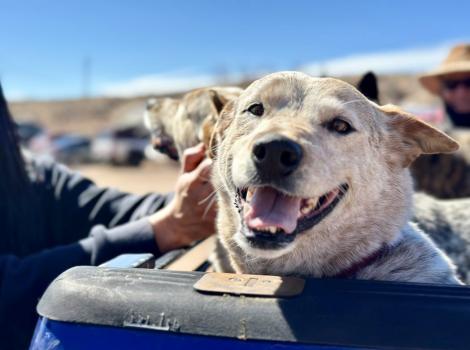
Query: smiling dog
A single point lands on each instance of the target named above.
(312, 180)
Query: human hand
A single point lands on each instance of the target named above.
(191, 213)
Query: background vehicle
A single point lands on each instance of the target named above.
(34, 138)
(121, 146)
(71, 148)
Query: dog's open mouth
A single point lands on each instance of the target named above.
(167, 148)
(170, 151)
(272, 219)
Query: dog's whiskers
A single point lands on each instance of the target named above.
(209, 206)
(210, 196)
(343, 189)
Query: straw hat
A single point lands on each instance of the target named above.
(458, 61)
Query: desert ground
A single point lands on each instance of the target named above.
(150, 176)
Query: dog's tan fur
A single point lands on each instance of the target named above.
(372, 160)
(177, 124)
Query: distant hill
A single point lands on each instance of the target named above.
(89, 116)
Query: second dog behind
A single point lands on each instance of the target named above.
(177, 124)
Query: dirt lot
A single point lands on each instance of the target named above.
(149, 177)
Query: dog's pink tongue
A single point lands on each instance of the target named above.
(269, 207)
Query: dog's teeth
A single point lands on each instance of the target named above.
(312, 202)
(249, 195)
(309, 205)
(305, 210)
(269, 229)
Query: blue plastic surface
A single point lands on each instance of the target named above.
(71, 336)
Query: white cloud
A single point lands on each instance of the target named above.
(167, 83)
(156, 84)
(413, 60)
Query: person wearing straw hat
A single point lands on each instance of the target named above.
(448, 175)
(451, 82)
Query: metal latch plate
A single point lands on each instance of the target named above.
(260, 285)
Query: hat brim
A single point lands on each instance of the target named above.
(432, 80)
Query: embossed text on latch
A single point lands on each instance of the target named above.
(261, 285)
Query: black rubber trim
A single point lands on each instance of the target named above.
(336, 312)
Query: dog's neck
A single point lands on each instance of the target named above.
(353, 269)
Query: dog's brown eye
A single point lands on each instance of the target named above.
(340, 126)
(256, 109)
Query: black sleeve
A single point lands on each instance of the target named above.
(85, 225)
(74, 205)
(24, 280)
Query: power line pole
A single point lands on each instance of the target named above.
(86, 77)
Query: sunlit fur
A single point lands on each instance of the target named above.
(181, 121)
(372, 160)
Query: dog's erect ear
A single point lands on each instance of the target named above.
(412, 137)
(209, 137)
(218, 100)
(368, 86)
(218, 129)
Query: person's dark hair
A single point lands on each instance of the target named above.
(16, 195)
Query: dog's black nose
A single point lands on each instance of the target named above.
(275, 158)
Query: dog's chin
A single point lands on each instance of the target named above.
(262, 248)
(271, 220)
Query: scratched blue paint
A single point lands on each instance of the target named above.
(54, 335)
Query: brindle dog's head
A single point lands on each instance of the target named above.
(306, 167)
(177, 124)
(158, 119)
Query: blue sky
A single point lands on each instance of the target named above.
(134, 44)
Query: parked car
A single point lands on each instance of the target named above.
(34, 138)
(120, 146)
(64, 147)
(71, 148)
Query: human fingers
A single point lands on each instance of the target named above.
(192, 157)
(203, 171)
